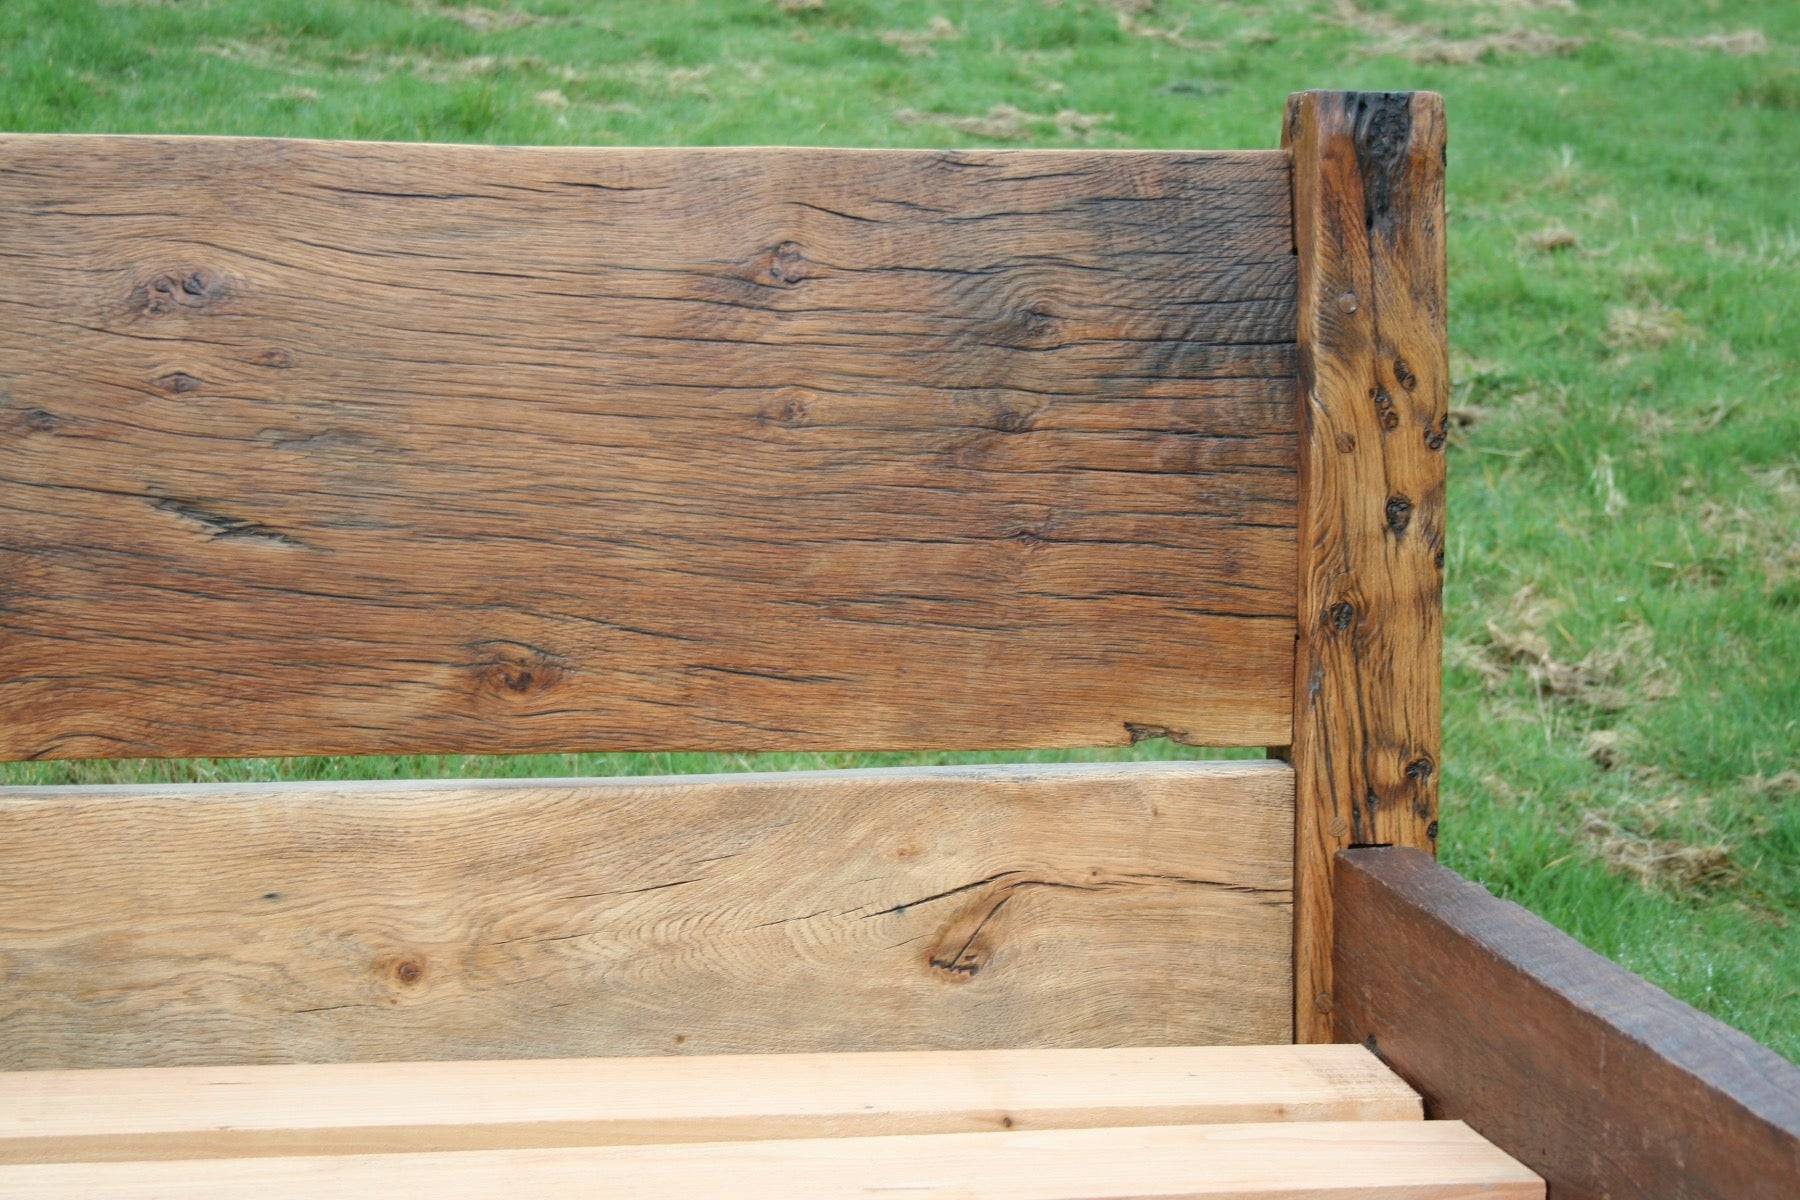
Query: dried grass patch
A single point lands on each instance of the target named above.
(480, 19)
(1739, 44)
(1643, 327)
(1634, 847)
(1608, 749)
(1005, 123)
(1780, 785)
(922, 43)
(1552, 238)
(269, 54)
(1424, 44)
(1763, 533)
(1174, 35)
(1615, 675)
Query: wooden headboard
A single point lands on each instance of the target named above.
(338, 448)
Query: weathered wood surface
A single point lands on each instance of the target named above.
(1400, 1160)
(338, 447)
(367, 1108)
(1603, 1084)
(1369, 232)
(942, 908)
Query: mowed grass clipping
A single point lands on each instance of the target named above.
(1623, 683)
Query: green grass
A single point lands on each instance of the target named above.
(1625, 263)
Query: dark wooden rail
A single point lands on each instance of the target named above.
(1601, 1083)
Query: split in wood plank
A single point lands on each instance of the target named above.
(365, 1108)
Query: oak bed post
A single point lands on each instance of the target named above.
(1368, 188)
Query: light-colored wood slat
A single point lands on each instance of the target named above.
(901, 909)
(363, 1108)
(1400, 1160)
(1369, 225)
(345, 448)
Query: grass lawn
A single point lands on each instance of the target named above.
(1623, 691)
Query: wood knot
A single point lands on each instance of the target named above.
(405, 970)
(1437, 435)
(1028, 327)
(789, 413)
(513, 670)
(1403, 374)
(786, 264)
(1341, 615)
(177, 383)
(1399, 512)
(1420, 769)
(1011, 420)
(190, 288)
(274, 358)
(1384, 408)
(40, 420)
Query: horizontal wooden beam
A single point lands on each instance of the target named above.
(345, 448)
(1418, 1160)
(902, 909)
(1605, 1085)
(363, 1108)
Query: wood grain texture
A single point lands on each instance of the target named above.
(1603, 1084)
(358, 448)
(367, 1108)
(1369, 232)
(943, 908)
(1400, 1160)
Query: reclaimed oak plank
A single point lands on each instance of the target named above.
(897, 909)
(1369, 233)
(332, 448)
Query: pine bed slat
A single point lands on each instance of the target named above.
(217, 1112)
(1399, 1160)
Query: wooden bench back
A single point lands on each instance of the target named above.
(339, 448)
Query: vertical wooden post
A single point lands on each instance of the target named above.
(1369, 232)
